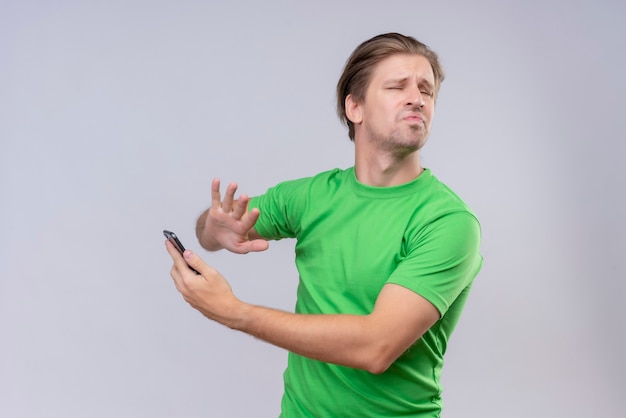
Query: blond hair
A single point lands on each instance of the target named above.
(359, 67)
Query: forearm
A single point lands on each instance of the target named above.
(349, 340)
(370, 342)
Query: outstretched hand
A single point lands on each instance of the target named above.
(228, 224)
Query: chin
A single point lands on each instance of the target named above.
(413, 143)
(402, 149)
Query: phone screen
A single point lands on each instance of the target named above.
(176, 242)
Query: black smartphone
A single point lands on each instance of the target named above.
(176, 242)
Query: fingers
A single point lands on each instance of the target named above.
(175, 271)
(177, 258)
(229, 198)
(172, 251)
(258, 245)
(196, 263)
(241, 207)
(248, 221)
(181, 266)
(230, 221)
(216, 197)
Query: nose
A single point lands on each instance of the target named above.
(415, 98)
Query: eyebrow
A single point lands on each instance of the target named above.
(396, 80)
(402, 80)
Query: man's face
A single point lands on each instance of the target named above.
(399, 103)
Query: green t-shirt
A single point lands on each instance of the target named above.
(352, 239)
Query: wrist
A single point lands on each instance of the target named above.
(239, 315)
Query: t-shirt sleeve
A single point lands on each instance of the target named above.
(442, 259)
(281, 208)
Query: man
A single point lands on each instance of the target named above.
(386, 253)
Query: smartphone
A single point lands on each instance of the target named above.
(176, 242)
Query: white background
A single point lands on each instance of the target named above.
(116, 115)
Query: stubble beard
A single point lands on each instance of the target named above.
(403, 142)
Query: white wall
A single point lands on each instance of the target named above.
(116, 115)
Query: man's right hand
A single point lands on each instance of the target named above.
(228, 224)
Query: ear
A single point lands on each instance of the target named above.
(354, 111)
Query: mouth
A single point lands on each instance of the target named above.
(413, 117)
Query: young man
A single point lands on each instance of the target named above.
(386, 253)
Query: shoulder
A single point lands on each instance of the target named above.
(439, 213)
(319, 183)
(334, 175)
(284, 206)
(442, 201)
(300, 190)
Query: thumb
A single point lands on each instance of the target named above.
(195, 262)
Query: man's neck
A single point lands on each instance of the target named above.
(384, 170)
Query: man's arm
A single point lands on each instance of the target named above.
(370, 342)
(228, 224)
